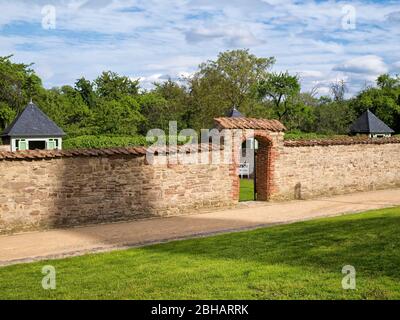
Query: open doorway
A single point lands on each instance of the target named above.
(247, 170)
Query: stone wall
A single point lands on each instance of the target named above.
(66, 191)
(54, 188)
(5, 147)
(303, 172)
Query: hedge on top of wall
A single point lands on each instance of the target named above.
(103, 142)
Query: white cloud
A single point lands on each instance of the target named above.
(147, 81)
(235, 36)
(310, 74)
(157, 38)
(393, 17)
(369, 65)
(323, 91)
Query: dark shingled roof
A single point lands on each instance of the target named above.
(234, 113)
(369, 123)
(32, 122)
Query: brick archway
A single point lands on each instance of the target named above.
(264, 166)
(269, 134)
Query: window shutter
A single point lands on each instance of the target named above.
(51, 144)
(22, 145)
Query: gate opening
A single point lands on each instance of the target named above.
(255, 167)
(247, 170)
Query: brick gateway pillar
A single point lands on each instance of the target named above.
(269, 134)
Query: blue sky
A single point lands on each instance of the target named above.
(154, 40)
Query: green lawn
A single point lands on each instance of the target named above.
(246, 190)
(298, 261)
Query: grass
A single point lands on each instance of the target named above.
(298, 261)
(246, 190)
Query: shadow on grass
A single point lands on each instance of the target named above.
(297, 261)
(369, 244)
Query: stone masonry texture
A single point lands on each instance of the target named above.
(50, 190)
(60, 192)
(311, 171)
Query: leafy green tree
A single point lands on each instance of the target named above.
(7, 115)
(302, 115)
(178, 100)
(386, 82)
(66, 107)
(18, 83)
(383, 101)
(154, 109)
(282, 90)
(113, 104)
(109, 85)
(229, 81)
(118, 116)
(85, 89)
(333, 117)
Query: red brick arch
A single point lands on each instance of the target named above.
(269, 134)
(264, 166)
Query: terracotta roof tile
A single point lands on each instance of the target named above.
(337, 142)
(134, 151)
(250, 123)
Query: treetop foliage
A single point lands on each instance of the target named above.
(114, 104)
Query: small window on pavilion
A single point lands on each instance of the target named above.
(52, 144)
(21, 144)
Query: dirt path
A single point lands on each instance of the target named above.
(69, 242)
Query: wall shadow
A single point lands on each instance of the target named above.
(369, 244)
(116, 188)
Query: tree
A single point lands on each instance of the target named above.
(154, 109)
(32, 86)
(229, 81)
(384, 101)
(338, 90)
(386, 82)
(110, 85)
(7, 115)
(238, 71)
(66, 107)
(333, 117)
(18, 83)
(85, 89)
(281, 89)
(118, 116)
(177, 99)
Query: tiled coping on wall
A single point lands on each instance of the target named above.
(131, 151)
(141, 151)
(338, 142)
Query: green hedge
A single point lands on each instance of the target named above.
(103, 142)
(310, 136)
